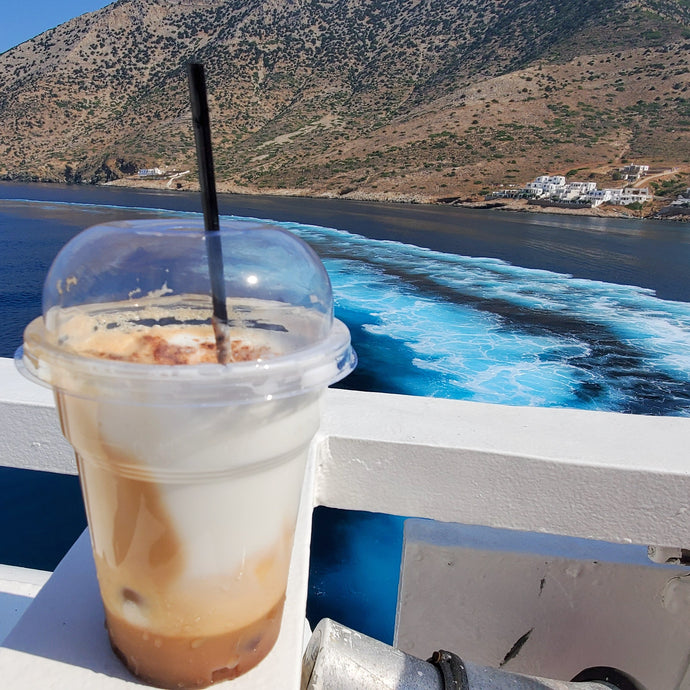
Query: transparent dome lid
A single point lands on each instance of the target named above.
(134, 261)
(138, 294)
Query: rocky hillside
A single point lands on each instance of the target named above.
(365, 98)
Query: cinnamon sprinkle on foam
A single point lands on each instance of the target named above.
(155, 349)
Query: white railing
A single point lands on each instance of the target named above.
(613, 477)
(622, 478)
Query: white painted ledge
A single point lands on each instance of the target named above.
(30, 436)
(18, 587)
(618, 478)
(597, 475)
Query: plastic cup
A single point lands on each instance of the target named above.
(191, 470)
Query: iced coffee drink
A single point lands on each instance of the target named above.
(191, 470)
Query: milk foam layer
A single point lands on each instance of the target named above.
(191, 509)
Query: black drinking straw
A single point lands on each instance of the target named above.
(209, 203)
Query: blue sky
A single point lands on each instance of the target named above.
(24, 19)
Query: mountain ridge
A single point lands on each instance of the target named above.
(394, 98)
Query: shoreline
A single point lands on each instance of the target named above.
(510, 205)
(521, 206)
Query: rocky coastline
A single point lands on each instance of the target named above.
(658, 210)
(655, 210)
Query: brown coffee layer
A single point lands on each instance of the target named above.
(167, 661)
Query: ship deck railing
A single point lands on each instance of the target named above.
(618, 479)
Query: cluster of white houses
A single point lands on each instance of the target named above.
(557, 189)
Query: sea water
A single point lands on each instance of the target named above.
(516, 309)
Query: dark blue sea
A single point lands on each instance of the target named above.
(484, 305)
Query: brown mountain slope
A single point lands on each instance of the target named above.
(403, 98)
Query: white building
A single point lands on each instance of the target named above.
(557, 180)
(546, 185)
(574, 191)
(150, 172)
(630, 195)
(534, 189)
(599, 196)
(634, 172)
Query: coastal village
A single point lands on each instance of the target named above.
(665, 198)
(557, 191)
